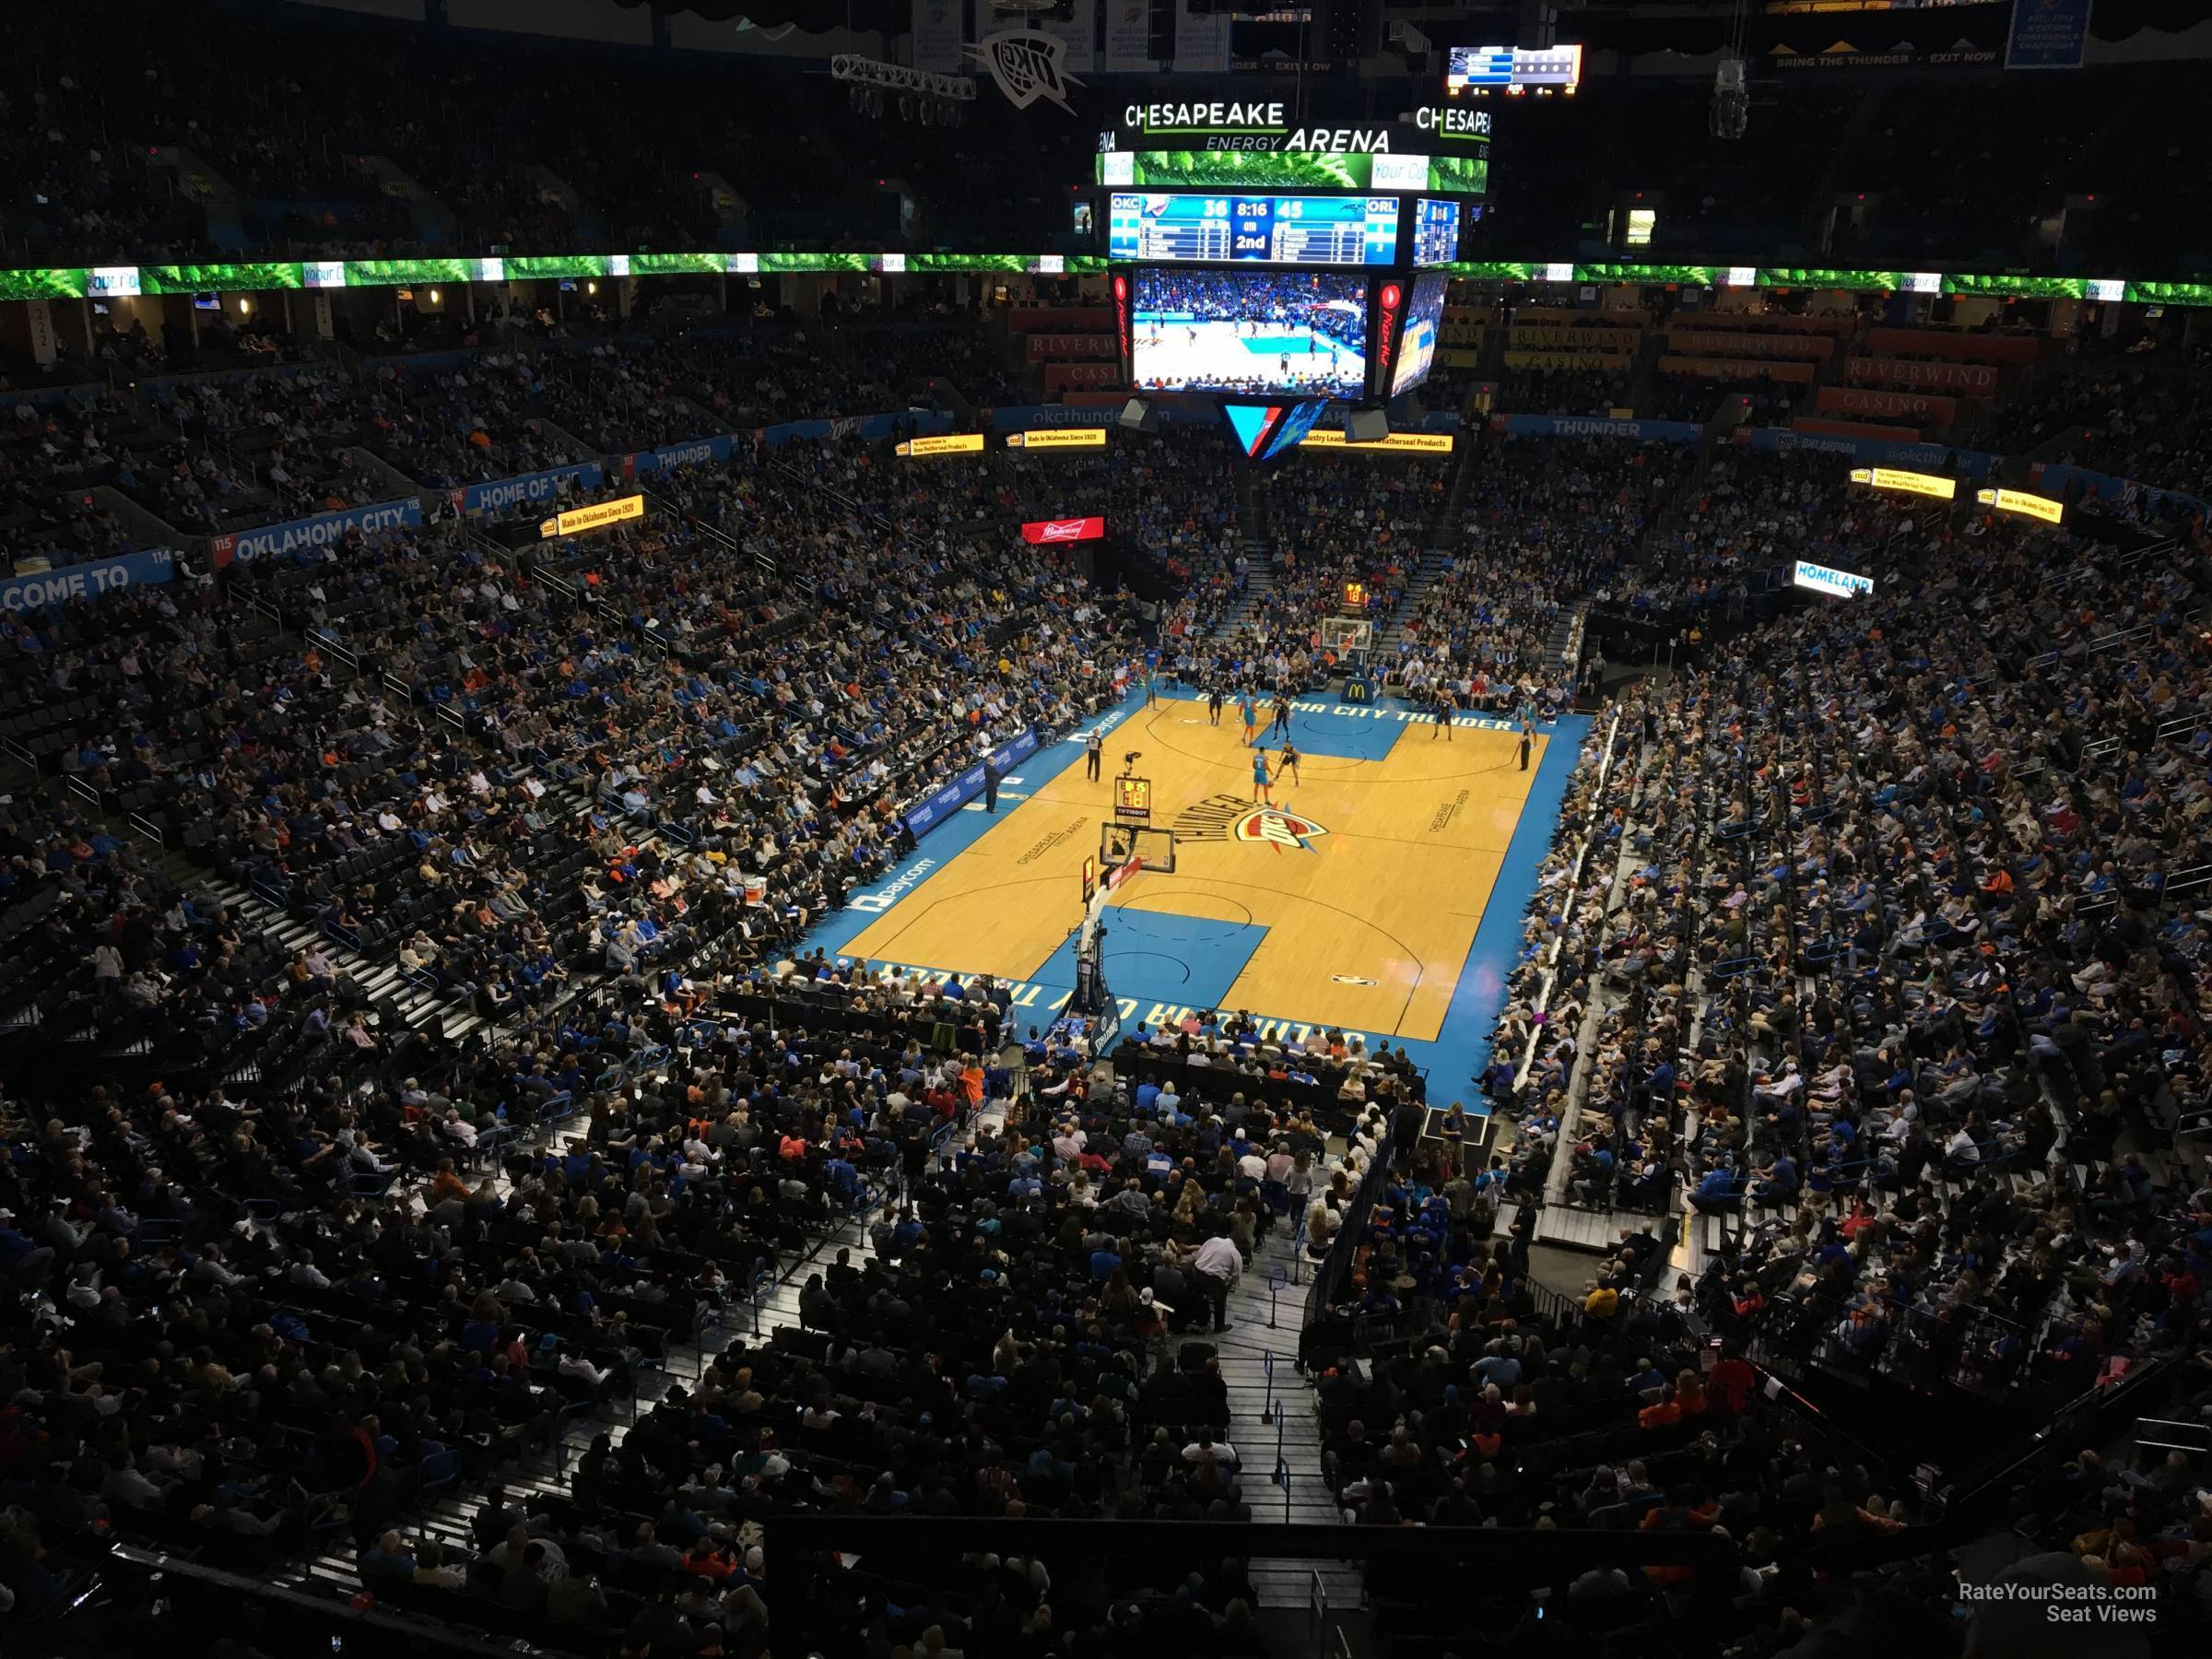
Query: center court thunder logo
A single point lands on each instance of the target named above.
(1232, 818)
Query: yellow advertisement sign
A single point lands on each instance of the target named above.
(2020, 501)
(595, 517)
(947, 443)
(1397, 443)
(1908, 483)
(1058, 438)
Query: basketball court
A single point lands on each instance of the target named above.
(1217, 354)
(1381, 894)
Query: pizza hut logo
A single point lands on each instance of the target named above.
(1026, 64)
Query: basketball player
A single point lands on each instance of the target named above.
(1289, 760)
(1445, 704)
(1260, 792)
(1282, 717)
(1251, 712)
(1214, 700)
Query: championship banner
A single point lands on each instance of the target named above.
(1045, 531)
(1128, 37)
(1201, 44)
(1079, 54)
(1544, 337)
(1586, 360)
(1064, 437)
(1052, 347)
(1769, 369)
(2047, 34)
(597, 516)
(1976, 380)
(668, 456)
(326, 529)
(948, 443)
(1894, 405)
(80, 583)
(529, 490)
(938, 45)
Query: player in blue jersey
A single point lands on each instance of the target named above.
(1260, 792)
(1250, 710)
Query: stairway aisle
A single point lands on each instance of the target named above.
(1281, 1475)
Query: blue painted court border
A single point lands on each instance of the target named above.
(1461, 1046)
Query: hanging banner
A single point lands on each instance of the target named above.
(87, 580)
(2047, 34)
(1128, 37)
(939, 37)
(1201, 44)
(1077, 33)
(1896, 406)
(1977, 379)
(528, 490)
(1053, 347)
(298, 536)
(1027, 64)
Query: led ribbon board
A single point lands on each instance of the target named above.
(947, 444)
(1397, 443)
(1931, 484)
(1039, 438)
(595, 517)
(1824, 579)
(2020, 501)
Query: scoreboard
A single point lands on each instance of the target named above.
(1229, 228)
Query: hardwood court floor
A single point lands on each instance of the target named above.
(1353, 905)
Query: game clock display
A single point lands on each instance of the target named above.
(1226, 228)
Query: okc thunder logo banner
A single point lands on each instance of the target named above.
(1232, 818)
(1026, 64)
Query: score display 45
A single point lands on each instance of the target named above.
(1171, 229)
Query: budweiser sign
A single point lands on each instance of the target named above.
(1977, 379)
(1064, 530)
